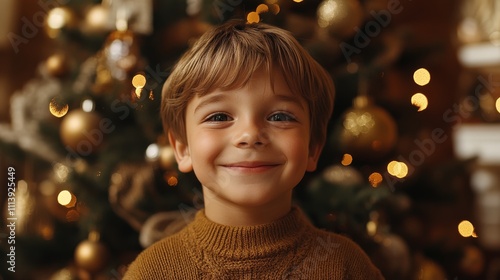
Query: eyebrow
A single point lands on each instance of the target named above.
(212, 98)
(292, 98)
(217, 97)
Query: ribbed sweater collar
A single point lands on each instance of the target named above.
(248, 242)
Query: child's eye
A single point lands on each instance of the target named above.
(218, 117)
(281, 117)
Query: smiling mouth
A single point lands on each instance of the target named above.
(251, 167)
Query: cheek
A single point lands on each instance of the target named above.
(297, 147)
(205, 146)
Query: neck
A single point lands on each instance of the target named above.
(230, 214)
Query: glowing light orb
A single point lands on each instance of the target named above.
(57, 109)
(375, 179)
(139, 81)
(422, 77)
(262, 8)
(65, 198)
(346, 160)
(397, 169)
(420, 100)
(253, 17)
(465, 228)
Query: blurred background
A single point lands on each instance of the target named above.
(410, 171)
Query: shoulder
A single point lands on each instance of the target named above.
(340, 251)
(154, 261)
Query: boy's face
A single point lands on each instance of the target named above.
(248, 146)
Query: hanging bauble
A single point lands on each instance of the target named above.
(473, 261)
(66, 273)
(82, 132)
(57, 65)
(368, 131)
(427, 269)
(92, 255)
(121, 52)
(167, 157)
(392, 256)
(96, 20)
(59, 19)
(340, 17)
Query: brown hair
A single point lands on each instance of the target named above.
(225, 58)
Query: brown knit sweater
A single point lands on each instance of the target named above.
(289, 248)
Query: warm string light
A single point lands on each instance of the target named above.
(397, 169)
(421, 77)
(375, 179)
(88, 105)
(66, 199)
(270, 6)
(420, 101)
(466, 229)
(346, 160)
(57, 108)
(139, 81)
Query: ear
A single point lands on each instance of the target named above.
(181, 152)
(312, 160)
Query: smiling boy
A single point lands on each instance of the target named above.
(246, 109)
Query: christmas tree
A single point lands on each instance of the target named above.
(92, 180)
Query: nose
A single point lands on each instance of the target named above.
(250, 134)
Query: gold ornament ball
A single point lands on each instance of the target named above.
(92, 256)
(96, 20)
(473, 261)
(368, 131)
(57, 65)
(58, 19)
(340, 17)
(430, 270)
(81, 132)
(166, 157)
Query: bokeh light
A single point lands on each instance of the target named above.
(465, 228)
(57, 18)
(420, 101)
(262, 8)
(497, 105)
(327, 11)
(375, 179)
(66, 198)
(139, 81)
(346, 160)
(88, 105)
(138, 92)
(172, 181)
(397, 169)
(422, 77)
(253, 17)
(274, 8)
(153, 152)
(58, 109)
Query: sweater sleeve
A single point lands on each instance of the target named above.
(166, 259)
(338, 257)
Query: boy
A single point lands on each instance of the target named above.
(246, 109)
